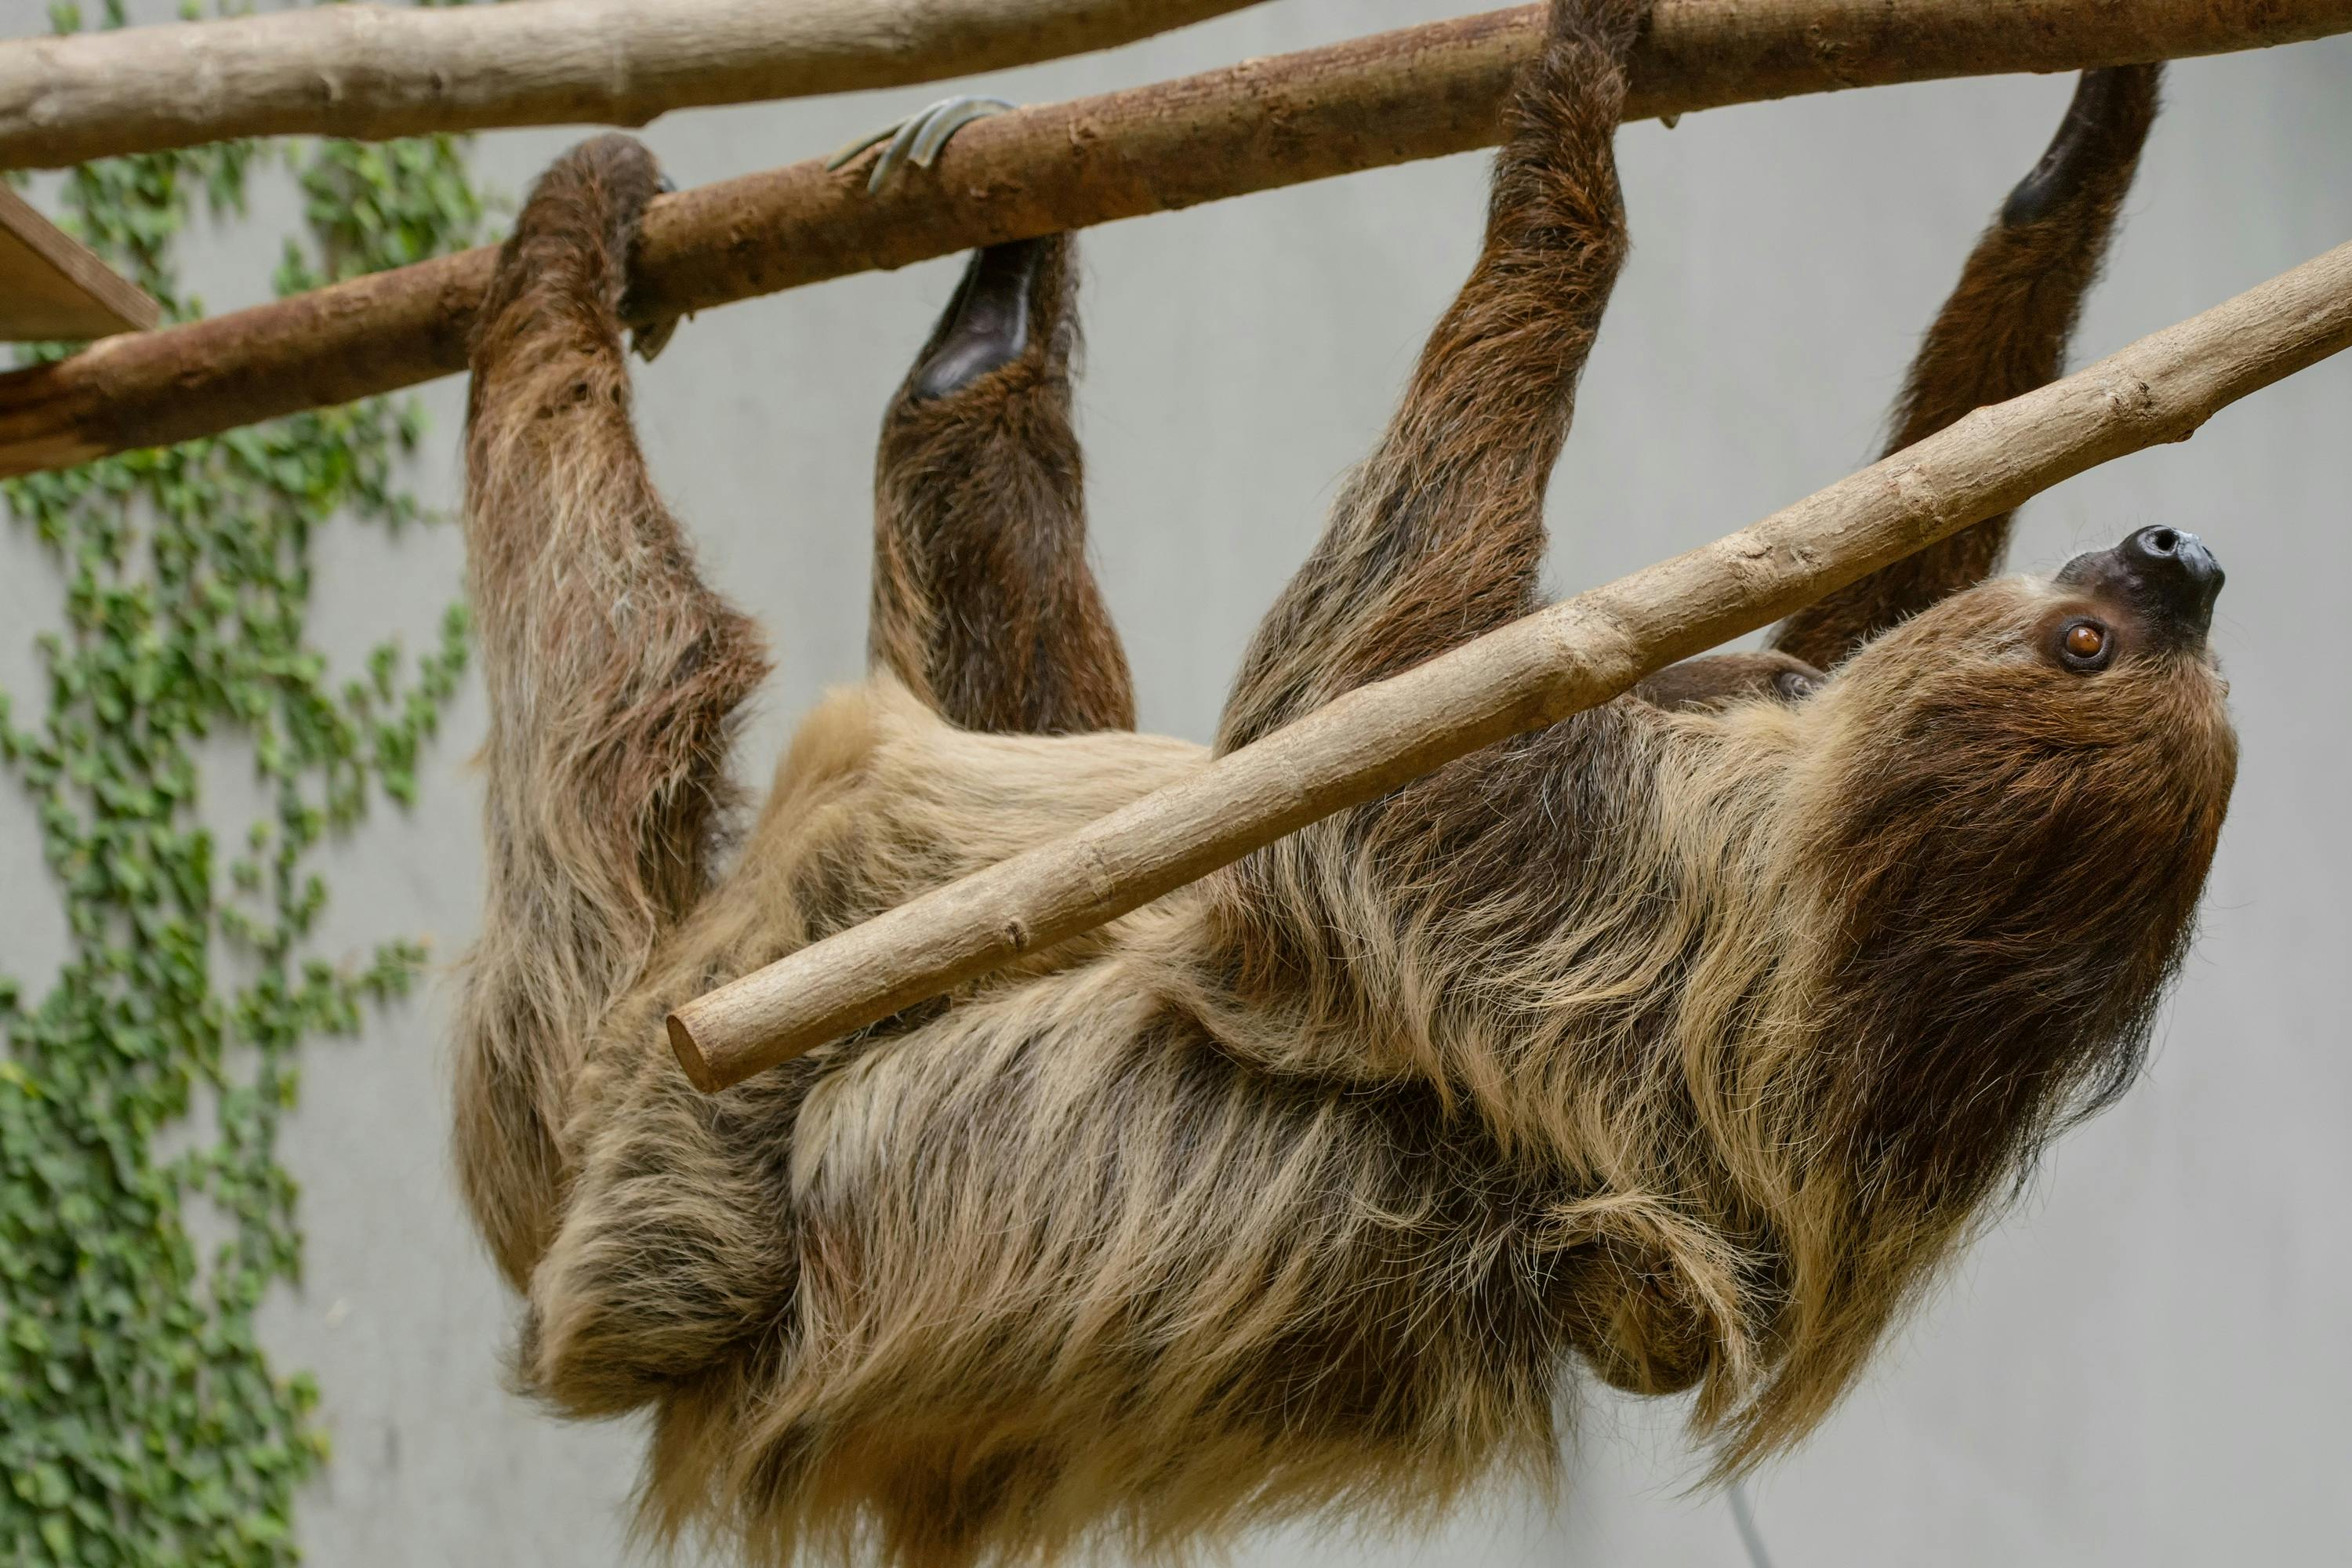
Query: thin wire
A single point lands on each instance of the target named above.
(1749, 1536)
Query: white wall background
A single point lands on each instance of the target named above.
(2145, 1366)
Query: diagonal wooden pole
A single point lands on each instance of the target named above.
(1418, 93)
(1534, 672)
(372, 72)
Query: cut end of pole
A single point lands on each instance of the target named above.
(699, 1069)
(719, 1046)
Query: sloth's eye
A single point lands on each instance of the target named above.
(2084, 646)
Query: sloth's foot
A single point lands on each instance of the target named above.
(1609, 25)
(917, 138)
(989, 322)
(2100, 136)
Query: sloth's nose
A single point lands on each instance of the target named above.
(2169, 577)
(2178, 574)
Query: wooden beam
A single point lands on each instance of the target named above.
(53, 288)
(1532, 673)
(378, 72)
(1417, 93)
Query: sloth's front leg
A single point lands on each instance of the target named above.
(1438, 536)
(1716, 679)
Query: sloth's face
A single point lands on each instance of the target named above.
(2109, 655)
(2150, 597)
(2008, 807)
(2076, 724)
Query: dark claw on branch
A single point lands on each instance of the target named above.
(990, 317)
(648, 340)
(2103, 130)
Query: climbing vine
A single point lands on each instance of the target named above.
(141, 1422)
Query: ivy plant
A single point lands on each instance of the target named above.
(140, 1420)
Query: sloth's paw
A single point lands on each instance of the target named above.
(1610, 26)
(990, 323)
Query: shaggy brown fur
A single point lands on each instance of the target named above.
(614, 676)
(982, 601)
(1684, 1039)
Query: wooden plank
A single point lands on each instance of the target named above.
(53, 287)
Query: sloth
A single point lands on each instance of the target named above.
(1675, 1046)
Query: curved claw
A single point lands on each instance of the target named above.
(988, 324)
(2104, 125)
(647, 342)
(918, 138)
(849, 150)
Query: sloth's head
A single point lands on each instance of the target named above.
(2082, 649)
(2030, 779)
(1998, 825)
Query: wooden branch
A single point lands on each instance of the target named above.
(378, 72)
(1578, 653)
(1417, 93)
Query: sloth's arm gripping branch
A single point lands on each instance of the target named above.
(1438, 537)
(613, 675)
(1419, 92)
(984, 602)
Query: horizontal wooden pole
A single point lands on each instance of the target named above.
(376, 71)
(1417, 93)
(1574, 654)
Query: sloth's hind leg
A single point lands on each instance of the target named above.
(984, 602)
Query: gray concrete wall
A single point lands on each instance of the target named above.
(2143, 1366)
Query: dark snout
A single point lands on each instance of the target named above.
(2168, 577)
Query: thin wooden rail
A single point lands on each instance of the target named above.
(1532, 673)
(1417, 93)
